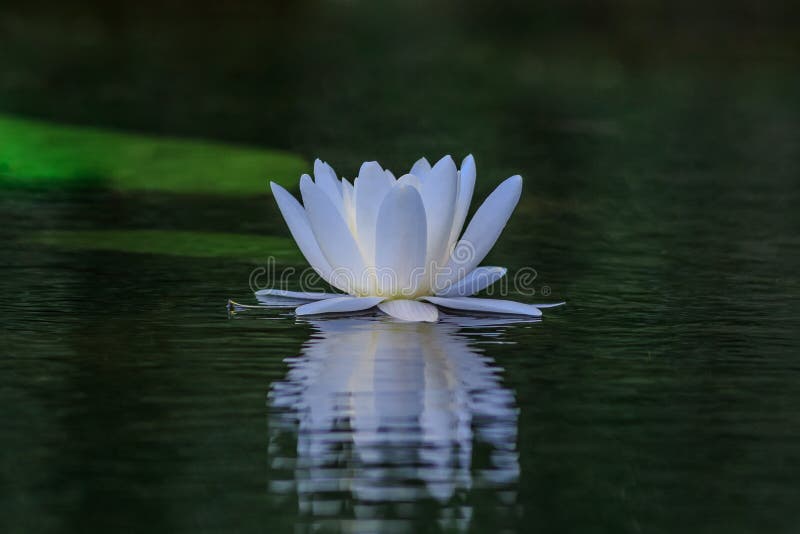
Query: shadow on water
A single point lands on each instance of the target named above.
(378, 420)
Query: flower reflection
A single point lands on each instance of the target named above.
(390, 417)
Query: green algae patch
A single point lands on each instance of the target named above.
(37, 153)
(237, 247)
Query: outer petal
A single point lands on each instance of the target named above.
(275, 302)
(349, 205)
(421, 168)
(400, 242)
(466, 186)
(482, 232)
(300, 228)
(439, 190)
(410, 310)
(486, 305)
(300, 295)
(477, 280)
(371, 186)
(334, 238)
(325, 178)
(551, 305)
(410, 179)
(338, 305)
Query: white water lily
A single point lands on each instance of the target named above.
(397, 243)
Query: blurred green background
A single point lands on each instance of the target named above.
(660, 147)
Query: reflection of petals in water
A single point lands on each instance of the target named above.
(387, 414)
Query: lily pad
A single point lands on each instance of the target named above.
(242, 247)
(42, 153)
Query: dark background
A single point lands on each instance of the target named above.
(388, 79)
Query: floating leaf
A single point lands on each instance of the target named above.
(41, 153)
(241, 247)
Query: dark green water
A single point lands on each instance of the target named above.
(661, 153)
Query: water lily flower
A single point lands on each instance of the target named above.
(397, 243)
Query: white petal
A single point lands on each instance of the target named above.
(445, 162)
(371, 186)
(300, 295)
(552, 305)
(278, 302)
(338, 305)
(477, 280)
(305, 180)
(325, 178)
(400, 242)
(300, 228)
(410, 179)
(482, 232)
(390, 174)
(421, 168)
(439, 191)
(485, 305)
(334, 238)
(410, 310)
(349, 204)
(466, 186)
(347, 188)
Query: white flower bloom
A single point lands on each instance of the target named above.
(394, 242)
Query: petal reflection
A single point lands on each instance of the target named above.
(387, 416)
